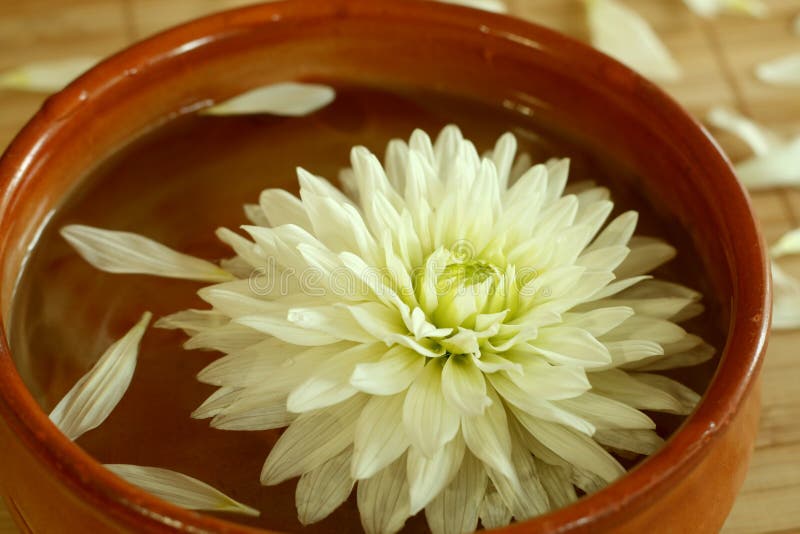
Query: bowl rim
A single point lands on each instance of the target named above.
(750, 307)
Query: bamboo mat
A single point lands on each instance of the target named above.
(717, 57)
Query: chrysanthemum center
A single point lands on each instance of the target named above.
(467, 273)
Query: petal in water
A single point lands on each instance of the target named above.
(495, 6)
(124, 252)
(288, 99)
(781, 71)
(45, 76)
(94, 396)
(179, 489)
(624, 35)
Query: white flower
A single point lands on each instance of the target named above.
(460, 335)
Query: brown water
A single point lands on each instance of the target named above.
(176, 185)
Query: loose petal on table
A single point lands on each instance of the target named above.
(781, 71)
(45, 76)
(624, 35)
(711, 8)
(789, 243)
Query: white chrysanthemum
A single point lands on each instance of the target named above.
(459, 335)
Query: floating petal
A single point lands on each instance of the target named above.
(289, 99)
(179, 489)
(124, 252)
(97, 393)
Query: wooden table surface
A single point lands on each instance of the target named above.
(717, 57)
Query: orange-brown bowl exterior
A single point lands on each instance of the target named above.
(51, 485)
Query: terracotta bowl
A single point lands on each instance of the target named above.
(51, 485)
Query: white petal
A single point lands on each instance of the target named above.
(621, 33)
(646, 328)
(179, 489)
(687, 397)
(541, 380)
(320, 491)
(488, 438)
(379, 436)
(494, 6)
(638, 391)
(281, 207)
(97, 393)
(603, 412)
(46, 76)
(311, 440)
(598, 321)
(262, 403)
(463, 385)
(248, 367)
(226, 338)
(429, 420)
(759, 139)
(493, 511)
(329, 382)
(245, 249)
(695, 355)
(289, 99)
(782, 71)
(124, 252)
(526, 498)
(786, 304)
(789, 243)
(331, 320)
(587, 481)
(634, 440)
(396, 370)
(283, 329)
(576, 448)
(556, 481)
(383, 500)
(778, 168)
(192, 321)
(265, 412)
(646, 254)
(568, 345)
(710, 8)
(256, 215)
(617, 233)
(427, 477)
(455, 510)
(216, 402)
(524, 407)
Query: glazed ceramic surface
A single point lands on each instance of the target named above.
(53, 486)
